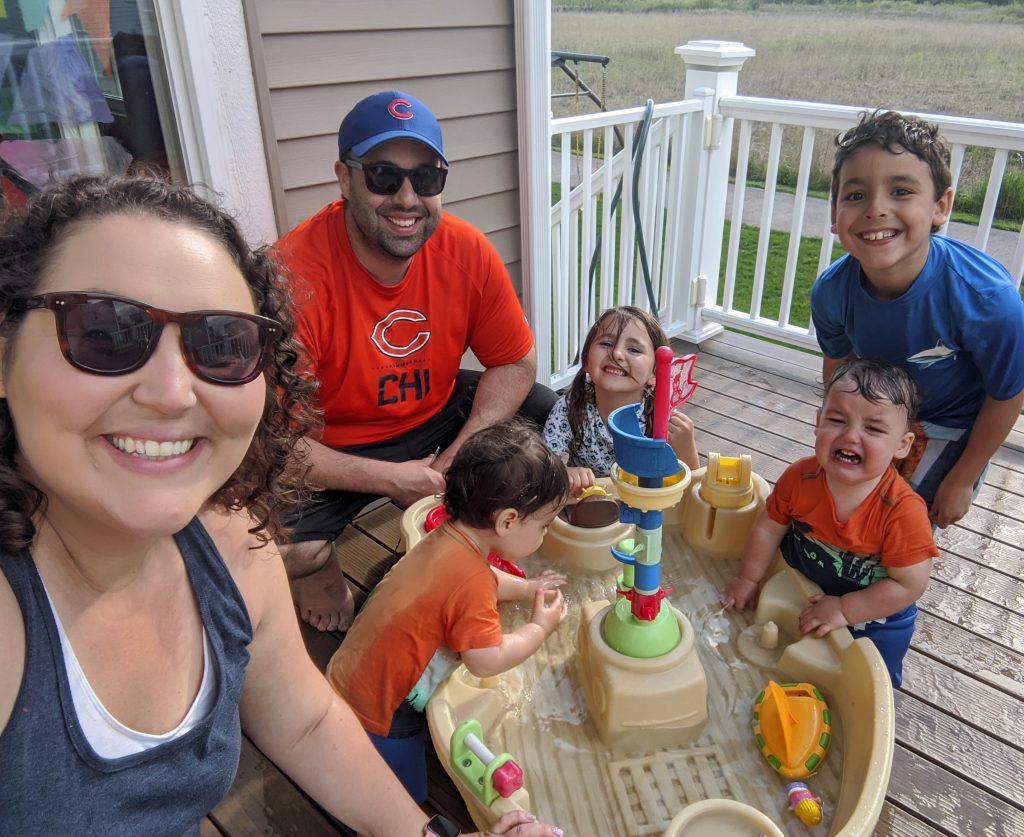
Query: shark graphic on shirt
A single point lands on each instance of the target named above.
(929, 357)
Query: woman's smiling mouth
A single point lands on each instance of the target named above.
(150, 448)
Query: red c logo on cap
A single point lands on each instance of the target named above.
(399, 108)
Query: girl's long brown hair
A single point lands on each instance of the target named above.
(581, 391)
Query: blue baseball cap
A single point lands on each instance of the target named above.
(386, 116)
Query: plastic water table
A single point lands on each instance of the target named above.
(600, 752)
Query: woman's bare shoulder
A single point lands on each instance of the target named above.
(12, 650)
(254, 565)
(230, 532)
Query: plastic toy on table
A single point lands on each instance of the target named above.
(645, 770)
(721, 818)
(491, 775)
(792, 727)
(721, 504)
(641, 633)
(803, 803)
(581, 544)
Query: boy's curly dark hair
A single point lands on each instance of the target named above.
(581, 391)
(879, 380)
(505, 466)
(270, 479)
(896, 133)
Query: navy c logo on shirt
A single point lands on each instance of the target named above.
(395, 341)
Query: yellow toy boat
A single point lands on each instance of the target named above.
(792, 727)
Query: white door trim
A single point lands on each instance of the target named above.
(210, 74)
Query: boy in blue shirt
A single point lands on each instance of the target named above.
(947, 313)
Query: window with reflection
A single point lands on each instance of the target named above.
(83, 90)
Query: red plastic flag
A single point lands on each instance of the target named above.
(681, 383)
(673, 386)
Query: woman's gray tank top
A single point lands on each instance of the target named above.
(51, 781)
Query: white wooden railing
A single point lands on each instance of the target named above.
(682, 195)
(667, 204)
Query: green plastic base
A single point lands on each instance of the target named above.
(630, 636)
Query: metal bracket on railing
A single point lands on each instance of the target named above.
(712, 131)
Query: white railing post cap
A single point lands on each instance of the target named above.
(715, 54)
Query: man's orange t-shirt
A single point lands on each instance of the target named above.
(387, 357)
(442, 594)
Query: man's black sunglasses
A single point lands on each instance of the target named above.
(111, 335)
(387, 179)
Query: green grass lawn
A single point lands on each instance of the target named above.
(771, 297)
(778, 247)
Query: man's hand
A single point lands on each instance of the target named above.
(443, 461)
(413, 480)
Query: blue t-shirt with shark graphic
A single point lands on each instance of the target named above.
(958, 329)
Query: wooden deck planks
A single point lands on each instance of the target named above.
(264, 801)
(959, 759)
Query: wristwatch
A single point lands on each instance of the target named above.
(441, 827)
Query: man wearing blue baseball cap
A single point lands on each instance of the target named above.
(392, 291)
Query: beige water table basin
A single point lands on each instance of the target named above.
(537, 714)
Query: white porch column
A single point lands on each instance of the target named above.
(533, 95)
(712, 71)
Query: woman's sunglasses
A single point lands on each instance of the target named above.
(387, 179)
(110, 335)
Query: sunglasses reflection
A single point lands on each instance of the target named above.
(387, 178)
(109, 335)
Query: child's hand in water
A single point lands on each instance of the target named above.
(739, 593)
(547, 580)
(549, 609)
(580, 479)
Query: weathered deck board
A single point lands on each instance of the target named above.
(208, 829)
(264, 801)
(959, 761)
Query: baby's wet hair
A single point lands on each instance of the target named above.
(505, 466)
(878, 381)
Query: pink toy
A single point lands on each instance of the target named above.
(804, 804)
(673, 387)
(507, 779)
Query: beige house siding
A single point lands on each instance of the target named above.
(313, 59)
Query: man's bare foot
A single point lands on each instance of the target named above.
(324, 599)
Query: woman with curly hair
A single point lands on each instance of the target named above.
(150, 409)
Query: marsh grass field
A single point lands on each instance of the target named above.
(965, 60)
(937, 59)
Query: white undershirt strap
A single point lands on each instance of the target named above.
(106, 735)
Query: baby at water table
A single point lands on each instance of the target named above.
(617, 368)
(439, 604)
(845, 518)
